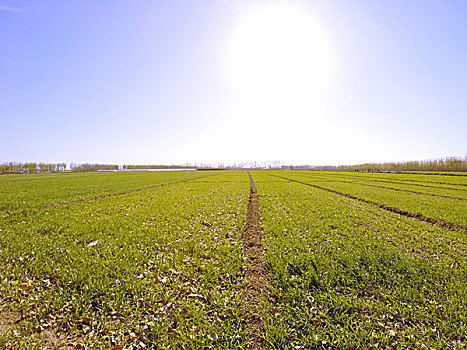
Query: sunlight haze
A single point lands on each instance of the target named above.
(174, 82)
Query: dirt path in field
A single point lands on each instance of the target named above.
(442, 223)
(90, 199)
(399, 189)
(255, 275)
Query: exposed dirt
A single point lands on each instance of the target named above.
(14, 321)
(419, 217)
(90, 199)
(255, 275)
(8, 320)
(53, 339)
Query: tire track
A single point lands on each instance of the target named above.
(442, 223)
(255, 275)
(402, 190)
(90, 199)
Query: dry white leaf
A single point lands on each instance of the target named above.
(92, 244)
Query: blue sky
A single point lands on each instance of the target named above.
(150, 82)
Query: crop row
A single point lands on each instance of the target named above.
(346, 274)
(455, 181)
(408, 183)
(29, 192)
(447, 209)
(163, 267)
(409, 187)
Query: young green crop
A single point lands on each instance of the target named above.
(349, 275)
(447, 209)
(456, 181)
(163, 268)
(391, 185)
(30, 192)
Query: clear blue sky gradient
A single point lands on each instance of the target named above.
(141, 82)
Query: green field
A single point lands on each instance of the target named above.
(157, 260)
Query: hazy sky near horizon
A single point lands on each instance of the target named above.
(304, 82)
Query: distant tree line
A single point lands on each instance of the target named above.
(92, 167)
(131, 167)
(31, 168)
(438, 165)
(448, 164)
(15, 167)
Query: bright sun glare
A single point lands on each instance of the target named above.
(279, 53)
(278, 63)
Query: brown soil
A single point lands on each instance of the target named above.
(419, 217)
(256, 275)
(89, 199)
(8, 320)
(11, 321)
